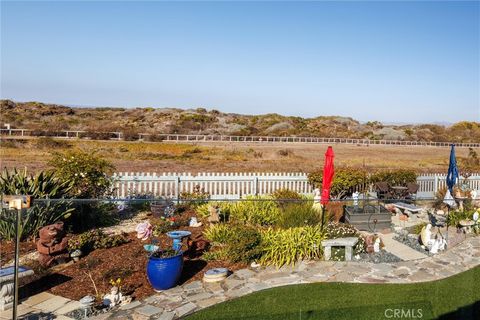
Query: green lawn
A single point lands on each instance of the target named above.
(457, 297)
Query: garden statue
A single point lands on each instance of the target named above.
(214, 216)
(376, 245)
(355, 198)
(52, 244)
(432, 244)
(144, 230)
(369, 242)
(438, 245)
(317, 196)
(115, 298)
(426, 236)
(194, 222)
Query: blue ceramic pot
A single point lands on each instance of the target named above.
(163, 273)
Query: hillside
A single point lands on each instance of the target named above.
(131, 121)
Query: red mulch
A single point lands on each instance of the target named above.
(7, 250)
(127, 262)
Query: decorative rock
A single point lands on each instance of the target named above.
(215, 275)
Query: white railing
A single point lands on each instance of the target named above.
(236, 185)
(197, 138)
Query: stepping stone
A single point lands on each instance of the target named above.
(185, 309)
(148, 310)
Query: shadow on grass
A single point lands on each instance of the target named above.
(470, 312)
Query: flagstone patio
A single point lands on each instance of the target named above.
(183, 300)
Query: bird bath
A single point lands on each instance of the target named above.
(177, 237)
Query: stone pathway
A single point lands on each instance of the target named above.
(402, 251)
(183, 300)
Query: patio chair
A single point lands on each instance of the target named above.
(383, 190)
(412, 190)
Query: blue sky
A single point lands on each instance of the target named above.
(387, 61)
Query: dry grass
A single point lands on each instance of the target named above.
(231, 157)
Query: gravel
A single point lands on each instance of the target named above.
(412, 242)
(378, 257)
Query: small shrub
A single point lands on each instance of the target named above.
(195, 198)
(454, 218)
(395, 177)
(285, 152)
(243, 244)
(344, 181)
(88, 175)
(236, 243)
(50, 143)
(95, 239)
(255, 210)
(287, 246)
(298, 214)
(282, 196)
(218, 233)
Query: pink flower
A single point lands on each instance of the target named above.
(144, 230)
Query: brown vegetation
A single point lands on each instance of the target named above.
(132, 121)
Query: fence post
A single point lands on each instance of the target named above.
(177, 189)
(435, 185)
(255, 185)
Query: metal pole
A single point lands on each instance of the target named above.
(16, 264)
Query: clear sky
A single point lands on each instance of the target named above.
(388, 61)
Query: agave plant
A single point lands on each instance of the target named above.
(41, 186)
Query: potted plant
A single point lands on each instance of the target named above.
(164, 268)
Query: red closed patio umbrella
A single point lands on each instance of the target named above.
(328, 172)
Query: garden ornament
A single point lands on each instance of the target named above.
(376, 245)
(214, 216)
(52, 244)
(194, 222)
(317, 196)
(144, 230)
(115, 298)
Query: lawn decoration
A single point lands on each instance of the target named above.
(52, 244)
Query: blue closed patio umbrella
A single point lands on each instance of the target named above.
(452, 174)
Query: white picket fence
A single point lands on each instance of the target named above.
(237, 185)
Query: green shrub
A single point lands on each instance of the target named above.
(243, 244)
(236, 243)
(299, 214)
(417, 229)
(88, 175)
(95, 239)
(218, 233)
(285, 196)
(394, 177)
(196, 198)
(454, 217)
(287, 246)
(344, 180)
(255, 210)
(41, 185)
